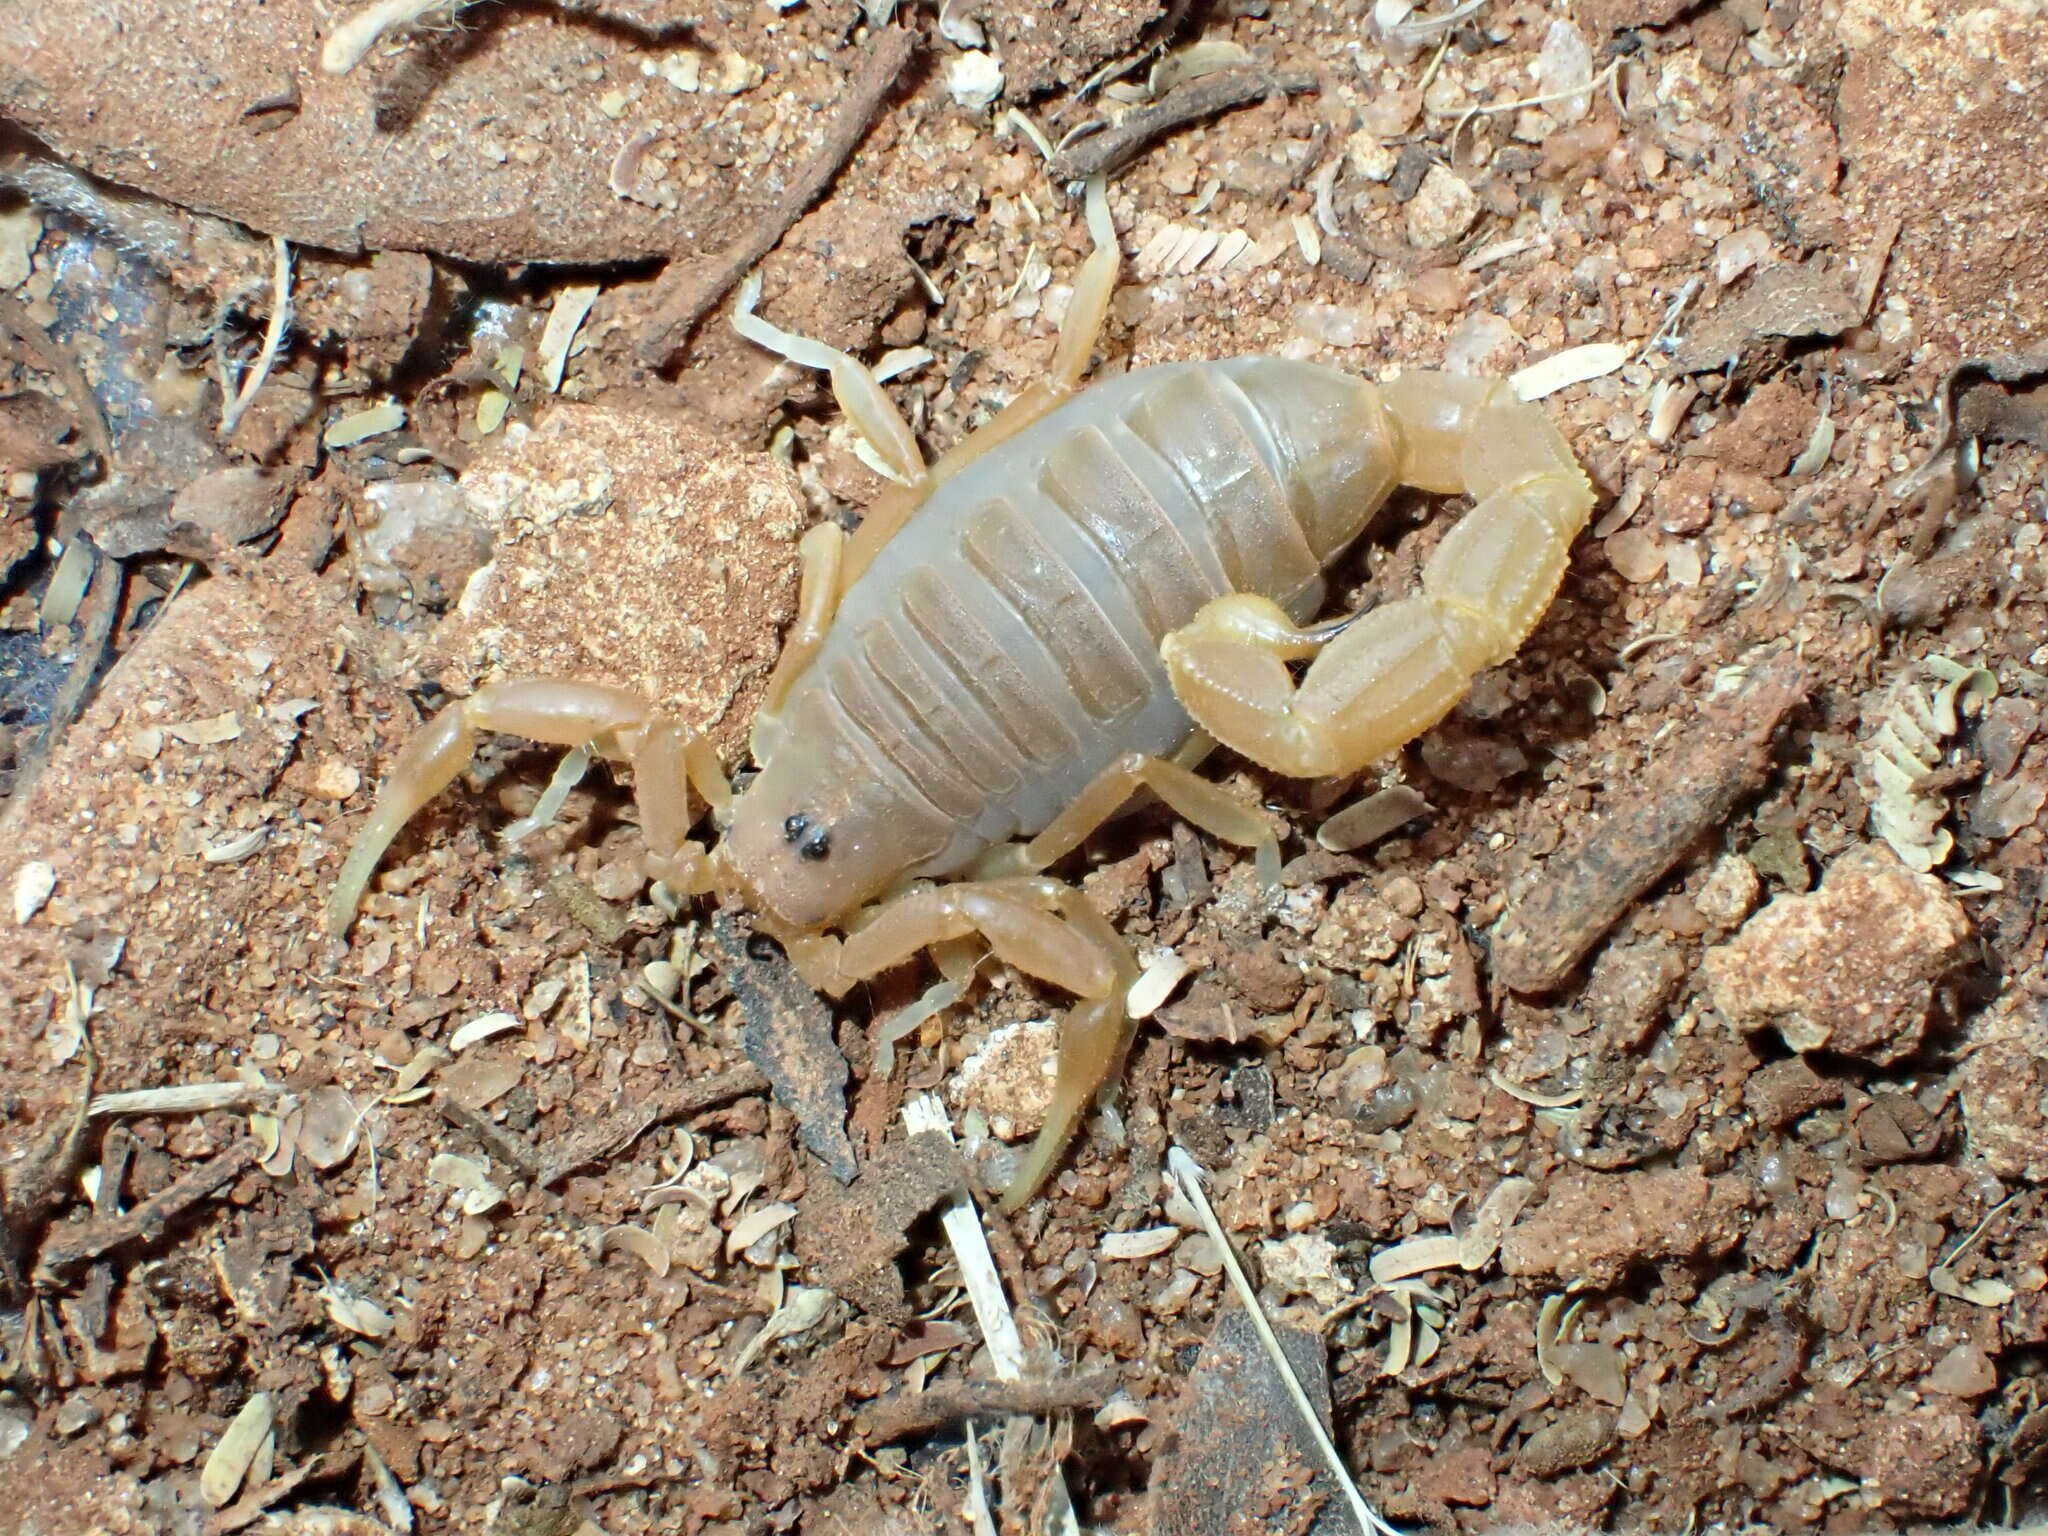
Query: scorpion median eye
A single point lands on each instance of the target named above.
(796, 826)
(817, 845)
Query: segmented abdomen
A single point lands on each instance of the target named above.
(1003, 648)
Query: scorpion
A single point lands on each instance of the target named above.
(1078, 601)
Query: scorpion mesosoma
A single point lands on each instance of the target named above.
(1075, 602)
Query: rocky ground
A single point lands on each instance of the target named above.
(1693, 1000)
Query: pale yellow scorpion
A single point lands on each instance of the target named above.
(1075, 602)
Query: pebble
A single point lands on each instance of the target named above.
(1852, 966)
(1963, 1372)
(1442, 209)
(974, 79)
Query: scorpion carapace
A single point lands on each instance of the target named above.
(1072, 604)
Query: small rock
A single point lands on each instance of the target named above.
(1852, 966)
(1480, 345)
(79, 1412)
(1369, 156)
(1964, 1371)
(1439, 290)
(1010, 1078)
(631, 548)
(1304, 1264)
(1237, 1429)
(422, 541)
(1591, 1227)
(1442, 209)
(1683, 501)
(34, 883)
(1264, 979)
(2003, 1083)
(1730, 893)
(974, 79)
(335, 780)
(1576, 1440)
(1779, 1092)
(234, 505)
(1631, 987)
(1636, 554)
(16, 1423)
(1772, 430)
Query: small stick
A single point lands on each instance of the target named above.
(1101, 154)
(254, 1504)
(961, 1223)
(1187, 1173)
(84, 404)
(273, 336)
(686, 290)
(917, 1413)
(102, 606)
(1690, 791)
(97, 1238)
(618, 1132)
(506, 1146)
(40, 1189)
(348, 43)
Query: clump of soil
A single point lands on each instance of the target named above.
(1712, 933)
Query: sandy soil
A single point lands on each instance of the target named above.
(1701, 1013)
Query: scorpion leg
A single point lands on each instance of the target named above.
(1043, 928)
(858, 391)
(1094, 287)
(1080, 329)
(821, 552)
(668, 759)
(1190, 796)
(1376, 683)
(1016, 917)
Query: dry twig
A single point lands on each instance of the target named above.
(619, 1131)
(508, 1147)
(917, 1413)
(78, 396)
(686, 290)
(1102, 154)
(146, 1223)
(1696, 782)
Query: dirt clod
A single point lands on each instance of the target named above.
(1853, 966)
(1591, 1227)
(682, 543)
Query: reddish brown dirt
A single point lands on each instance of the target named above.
(1749, 1287)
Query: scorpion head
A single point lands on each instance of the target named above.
(818, 834)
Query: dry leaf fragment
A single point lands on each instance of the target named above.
(1155, 985)
(1368, 820)
(361, 426)
(358, 1314)
(1785, 301)
(1414, 1257)
(481, 1028)
(1980, 1293)
(479, 1194)
(2004, 398)
(231, 1458)
(1574, 365)
(1481, 1240)
(209, 732)
(1147, 1243)
(754, 1226)
(558, 336)
(639, 1242)
(804, 1309)
(415, 1072)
